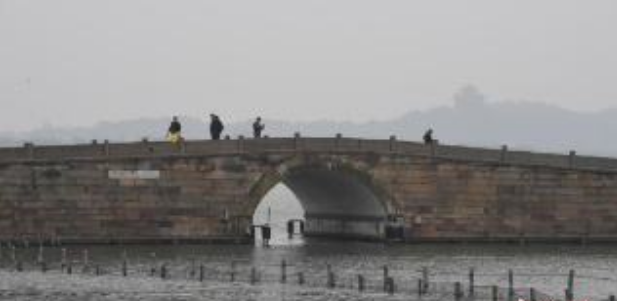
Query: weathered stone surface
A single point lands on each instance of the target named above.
(349, 187)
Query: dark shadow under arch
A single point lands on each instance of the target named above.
(339, 201)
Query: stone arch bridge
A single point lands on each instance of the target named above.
(208, 191)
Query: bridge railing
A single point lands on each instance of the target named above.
(13, 154)
(207, 147)
(529, 158)
(317, 144)
(337, 144)
(467, 153)
(594, 162)
(65, 151)
(412, 147)
(377, 146)
(268, 145)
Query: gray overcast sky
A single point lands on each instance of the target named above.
(76, 62)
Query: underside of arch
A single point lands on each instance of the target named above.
(337, 203)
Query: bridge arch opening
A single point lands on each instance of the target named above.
(339, 203)
(277, 209)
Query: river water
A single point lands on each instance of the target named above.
(544, 267)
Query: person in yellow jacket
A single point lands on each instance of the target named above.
(174, 134)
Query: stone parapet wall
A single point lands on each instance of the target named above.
(223, 147)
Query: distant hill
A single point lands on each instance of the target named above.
(472, 120)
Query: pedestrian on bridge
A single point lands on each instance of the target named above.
(174, 133)
(216, 127)
(428, 137)
(258, 127)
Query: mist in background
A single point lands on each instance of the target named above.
(76, 70)
(472, 120)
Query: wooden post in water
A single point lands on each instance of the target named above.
(510, 285)
(13, 252)
(43, 267)
(331, 278)
(386, 275)
(125, 271)
(567, 295)
(163, 271)
(40, 258)
(202, 272)
(532, 294)
(360, 283)
(63, 259)
(458, 291)
(86, 261)
(86, 257)
(97, 270)
(232, 274)
(420, 287)
(471, 282)
(494, 293)
(283, 271)
(69, 269)
(253, 275)
(390, 283)
(193, 271)
(300, 278)
(425, 280)
(611, 298)
(570, 289)
(19, 266)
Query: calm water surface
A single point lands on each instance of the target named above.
(542, 267)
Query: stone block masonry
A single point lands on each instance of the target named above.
(208, 191)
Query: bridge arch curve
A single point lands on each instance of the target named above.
(340, 199)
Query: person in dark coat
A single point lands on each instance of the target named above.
(216, 127)
(428, 137)
(175, 127)
(258, 127)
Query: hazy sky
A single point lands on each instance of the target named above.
(76, 62)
